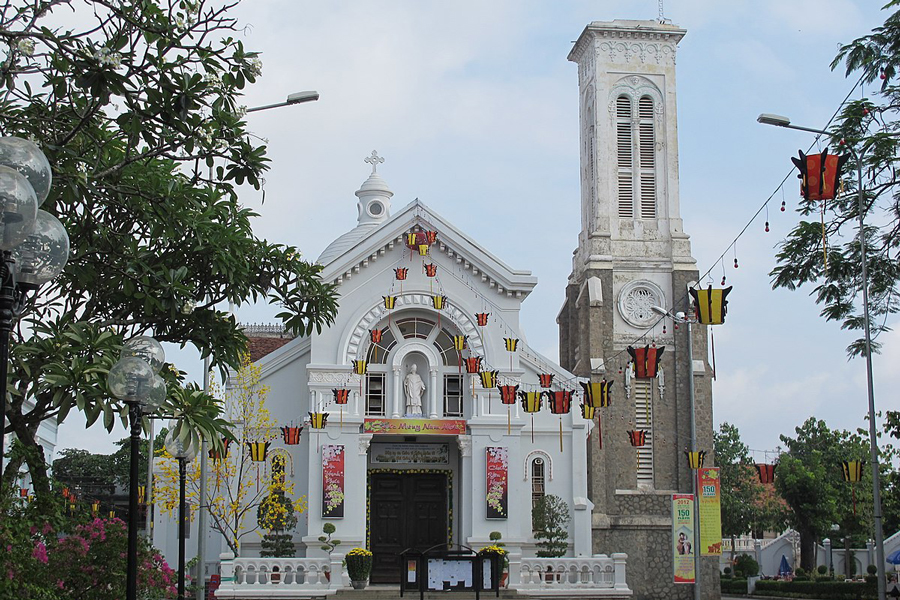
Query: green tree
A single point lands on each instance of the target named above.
(736, 477)
(136, 105)
(810, 481)
(550, 519)
(868, 125)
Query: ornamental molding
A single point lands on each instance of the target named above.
(328, 377)
(622, 51)
(359, 342)
(538, 454)
(364, 440)
(464, 442)
(635, 300)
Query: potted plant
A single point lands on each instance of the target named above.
(359, 565)
(328, 543)
(501, 562)
(496, 536)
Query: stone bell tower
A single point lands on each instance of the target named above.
(633, 254)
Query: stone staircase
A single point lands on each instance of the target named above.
(392, 592)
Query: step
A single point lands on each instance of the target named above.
(392, 592)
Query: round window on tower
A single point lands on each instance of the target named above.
(375, 208)
(636, 300)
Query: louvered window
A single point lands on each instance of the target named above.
(643, 419)
(647, 151)
(625, 157)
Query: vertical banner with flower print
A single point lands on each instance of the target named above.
(497, 482)
(332, 481)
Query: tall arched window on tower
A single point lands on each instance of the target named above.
(625, 157)
(647, 154)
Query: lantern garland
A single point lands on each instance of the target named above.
(560, 404)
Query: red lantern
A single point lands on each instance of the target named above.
(819, 174)
(546, 379)
(508, 393)
(637, 437)
(473, 364)
(430, 237)
(341, 396)
(291, 435)
(216, 455)
(401, 273)
(646, 360)
(482, 318)
(430, 269)
(560, 402)
(376, 335)
(766, 472)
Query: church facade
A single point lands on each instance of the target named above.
(428, 420)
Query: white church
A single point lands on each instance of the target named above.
(444, 426)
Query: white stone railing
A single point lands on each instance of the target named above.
(279, 577)
(599, 575)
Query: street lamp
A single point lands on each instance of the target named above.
(134, 380)
(781, 121)
(295, 98)
(184, 453)
(680, 317)
(34, 244)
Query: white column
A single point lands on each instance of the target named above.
(619, 565)
(393, 400)
(433, 396)
(583, 507)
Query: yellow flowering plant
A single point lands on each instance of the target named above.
(359, 564)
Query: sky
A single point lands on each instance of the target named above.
(474, 107)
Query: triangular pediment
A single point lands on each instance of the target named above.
(373, 243)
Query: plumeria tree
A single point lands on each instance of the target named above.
(136, 104)
(236, 484)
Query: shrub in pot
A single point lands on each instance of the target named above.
(359, 565)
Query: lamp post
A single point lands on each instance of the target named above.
(858, 153)
(134, 380)
(34, 244)
(295, 98)
(680, 317)
(184, 454)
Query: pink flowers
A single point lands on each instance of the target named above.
(40, 552)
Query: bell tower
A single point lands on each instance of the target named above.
(633, 254)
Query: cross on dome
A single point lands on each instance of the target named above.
(374, 160)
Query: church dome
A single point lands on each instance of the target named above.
(346, 242)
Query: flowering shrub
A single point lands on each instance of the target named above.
(493, 549)
(359, 564)
(51, 557)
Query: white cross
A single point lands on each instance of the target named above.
(374, 160)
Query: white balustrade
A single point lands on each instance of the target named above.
(279, 577)
(599, 575)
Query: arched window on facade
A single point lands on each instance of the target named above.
(624, 157)
(538, 481)
(636, 158)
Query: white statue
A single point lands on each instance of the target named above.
(413, 387)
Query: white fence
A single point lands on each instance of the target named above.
(597, 576)
(280, 577)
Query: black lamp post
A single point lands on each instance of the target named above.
(133, 380)
(34, 244)
(183, 453)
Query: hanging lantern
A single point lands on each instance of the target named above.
(646, 360)
(142, 494)
(430, 237)
(341, 395)
(766, 472)
(546, 379)
(95, 507)
(511, 344)
(317, 420)
(438, 302)
(473, 365)
(359, 367)
(430, 269)
(488, 379)
(23, 492)
(588, 410)
(412, 240)
(637, 437)
(258, 450)
(459, 342)
(65, 492)
(291, 434)
(852, 470)
(219, 455)
(531, 403)
(401, 273)
(389, 302)
(376, 335)
(597, 393)
(423, 249)
(508, 393)
(820, 174)
(695, 459)
(112, 514)
(710, 304)
(560, 402)
(482, 319)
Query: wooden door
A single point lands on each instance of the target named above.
(405, 511)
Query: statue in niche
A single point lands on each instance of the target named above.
(413, 388)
